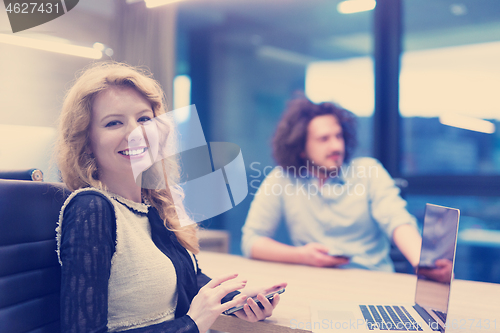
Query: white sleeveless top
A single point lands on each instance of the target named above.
(142, 288)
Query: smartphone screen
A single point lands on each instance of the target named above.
(269, 296)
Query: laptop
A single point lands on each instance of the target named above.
(434, 276)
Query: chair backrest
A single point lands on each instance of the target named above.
(30, 275)
(29, 174)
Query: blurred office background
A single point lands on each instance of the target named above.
(422, 75)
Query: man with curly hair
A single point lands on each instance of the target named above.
(339, 211)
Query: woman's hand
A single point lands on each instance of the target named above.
(206, 305)
(252, 311)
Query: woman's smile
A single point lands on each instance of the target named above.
(134, 153)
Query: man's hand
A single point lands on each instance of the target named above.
(315, 254)
(441, 273)
(312, 254)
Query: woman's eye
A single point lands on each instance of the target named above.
(113, 123)
(144, 119)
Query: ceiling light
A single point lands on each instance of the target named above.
(98, 46)
(46, 45)
(468, 123)
(182, 97)
(157, 3)
(458, 9)
(355, 6)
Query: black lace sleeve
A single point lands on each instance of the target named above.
(201, 278)
(87, 246)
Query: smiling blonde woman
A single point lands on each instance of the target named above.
(126, 262)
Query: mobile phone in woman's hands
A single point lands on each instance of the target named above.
(269, 295)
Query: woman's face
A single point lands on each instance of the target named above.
(116, 112)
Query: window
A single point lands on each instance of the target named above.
(450, 75)
(450, 117)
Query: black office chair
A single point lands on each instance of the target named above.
(29, 174)
(30, 274)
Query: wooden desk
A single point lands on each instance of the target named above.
(468, 299)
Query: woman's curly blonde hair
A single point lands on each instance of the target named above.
(78, 168)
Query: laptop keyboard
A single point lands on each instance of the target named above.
(389, 318)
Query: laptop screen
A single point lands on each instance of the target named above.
(435, 271)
